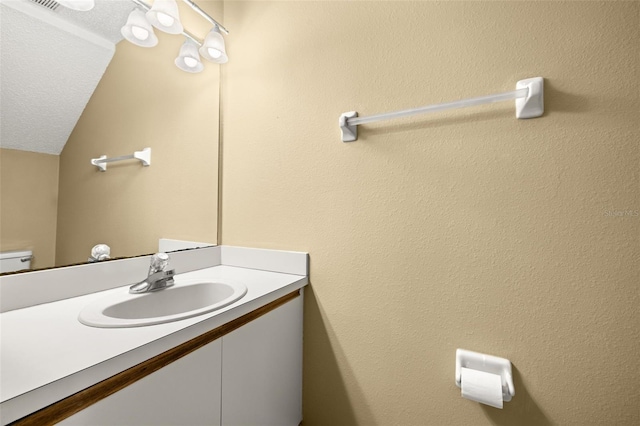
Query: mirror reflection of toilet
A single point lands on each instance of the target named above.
(12, 261)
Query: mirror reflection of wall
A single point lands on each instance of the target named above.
(59, 205)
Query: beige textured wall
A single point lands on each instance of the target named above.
(467, 229)
(29, 204)
(144, 100)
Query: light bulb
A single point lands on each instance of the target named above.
(164, 15)
(190, 62)
(212, 48)
(188, 59)
(139, 33)
(165, 19)
(214, 53)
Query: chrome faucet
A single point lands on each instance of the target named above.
(158, 278)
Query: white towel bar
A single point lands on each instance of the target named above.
(528, 95)
(144, 156)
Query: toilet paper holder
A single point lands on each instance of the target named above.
(489, 364)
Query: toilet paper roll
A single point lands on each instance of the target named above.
(482, 387)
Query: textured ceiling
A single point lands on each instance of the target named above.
(52, 61)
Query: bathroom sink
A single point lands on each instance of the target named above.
(186, 299)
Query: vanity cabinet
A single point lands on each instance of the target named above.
(262, 369)
(185, 392)
(250, 376)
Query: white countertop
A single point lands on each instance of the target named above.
(47, 354)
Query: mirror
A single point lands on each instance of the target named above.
(59, 205)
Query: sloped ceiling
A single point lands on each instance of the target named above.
(52, 61)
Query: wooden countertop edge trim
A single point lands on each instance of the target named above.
(72, 404)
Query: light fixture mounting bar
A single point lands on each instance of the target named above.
(195, 7)
(190, 36)
(206, 16)
(142, 4)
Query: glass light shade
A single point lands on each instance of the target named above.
(80, 5)
(188, 59)
(164, 16)
(138, 31)
(213, 49)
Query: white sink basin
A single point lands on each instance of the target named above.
(187, 298)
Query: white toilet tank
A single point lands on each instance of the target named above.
(15, 260)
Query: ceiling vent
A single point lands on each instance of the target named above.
(49, 4)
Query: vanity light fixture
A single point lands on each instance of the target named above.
(79, 5)
(188, 60)
(212, 48)
(138, 30)
(164, 15)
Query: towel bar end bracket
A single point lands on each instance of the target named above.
(532, 105)
(144, 156)
(100, 165)
(349, 132)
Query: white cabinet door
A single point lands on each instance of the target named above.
(262, 370)
(185, 392)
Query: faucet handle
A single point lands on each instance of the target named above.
(159, 262)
